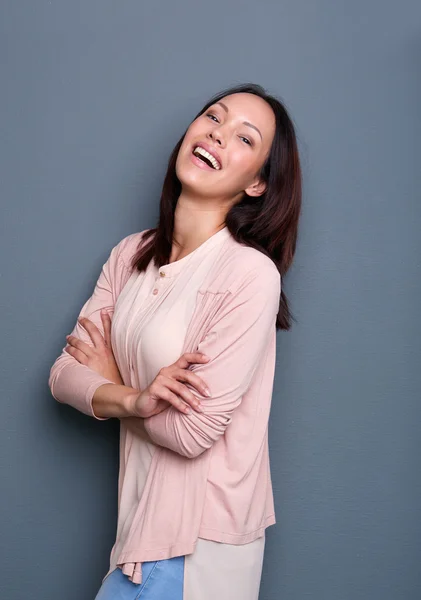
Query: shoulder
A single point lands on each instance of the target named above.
(239, 267)
(129, 245)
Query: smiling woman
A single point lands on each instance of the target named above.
(231, 139)
(186, 356)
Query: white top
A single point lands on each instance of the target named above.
(161, 303)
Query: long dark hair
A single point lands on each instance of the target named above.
(268, 222)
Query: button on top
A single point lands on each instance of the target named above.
(162, 273)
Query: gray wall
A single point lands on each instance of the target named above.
(93, 97)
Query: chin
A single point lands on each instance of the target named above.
(194, 187)
(200, 182)
(190, 176)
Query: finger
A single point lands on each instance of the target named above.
(191, 357)
(106, 321)
(77, 354)
(194, 380)
(184, 393)
(174, 400)
(79, 345)
(93, 331)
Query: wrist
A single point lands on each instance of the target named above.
(129, 403)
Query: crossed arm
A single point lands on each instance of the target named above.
(236, 340)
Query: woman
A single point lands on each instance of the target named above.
(188, 363)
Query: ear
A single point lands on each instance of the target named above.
(257, 188)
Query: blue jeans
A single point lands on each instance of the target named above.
(161, 580)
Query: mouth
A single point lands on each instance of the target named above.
(206, 157)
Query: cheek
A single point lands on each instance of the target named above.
(195, 130)
(183, 153)
(192, 133)
(242, 166)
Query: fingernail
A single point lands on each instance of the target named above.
(206, 357)
(208, 392)
(199, 408)
(188, 410)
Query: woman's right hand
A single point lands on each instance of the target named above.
(167, 389)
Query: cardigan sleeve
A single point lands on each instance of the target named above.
(235, 341)
(71, 382)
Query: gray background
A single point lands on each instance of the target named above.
(94, 96)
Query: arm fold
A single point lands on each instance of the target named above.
(235, 341)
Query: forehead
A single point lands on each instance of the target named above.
(251, 108)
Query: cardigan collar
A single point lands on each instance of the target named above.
(174, 268)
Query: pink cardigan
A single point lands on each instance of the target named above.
(210, 473)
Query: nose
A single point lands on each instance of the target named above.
(217, 137)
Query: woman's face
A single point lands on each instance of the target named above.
(225, 148)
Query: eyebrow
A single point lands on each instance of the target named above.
(244, 122)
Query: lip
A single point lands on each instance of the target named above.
(209, 149)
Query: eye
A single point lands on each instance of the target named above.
(246, 140)
(212, 116)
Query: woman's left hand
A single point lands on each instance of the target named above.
(100, 357)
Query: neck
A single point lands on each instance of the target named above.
(194, 222)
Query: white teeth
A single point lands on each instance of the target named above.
(202, 151)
